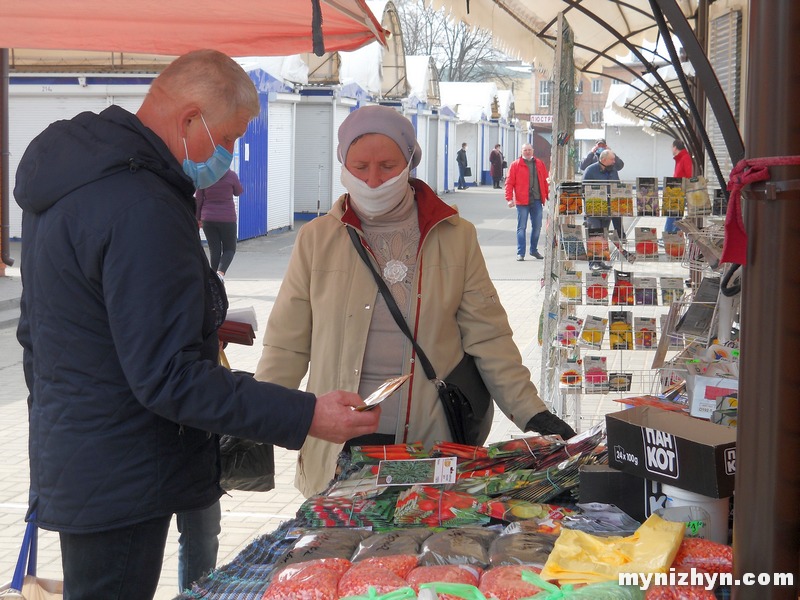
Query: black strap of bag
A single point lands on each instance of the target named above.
(468, 415)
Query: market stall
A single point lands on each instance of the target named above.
(505, 521)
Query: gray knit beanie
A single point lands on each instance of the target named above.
(379, 119)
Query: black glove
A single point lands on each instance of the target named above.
(547, 423)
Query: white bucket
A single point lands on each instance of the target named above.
(717, 508)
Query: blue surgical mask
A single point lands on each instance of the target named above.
(205, 174)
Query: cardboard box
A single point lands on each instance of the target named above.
(638, 497)
(706, 392)
(673, 448)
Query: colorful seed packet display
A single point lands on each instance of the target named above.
(674, 246)
(569, 328)
(620, 200)
(620, 329)
(569, 375)
(570, 198)
(597, 244)
(593, 331)
(698, 202)
(595, 374)
(619, 382)
(647, 196)
(646, 243)
(644, 333)
(623, 289)
(570, 287)
(674, 200)
(596, 200)
(597, 288)
(645, 291)
(671, 290)
(572, 242)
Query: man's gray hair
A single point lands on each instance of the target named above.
(218, 84)
(606, 154)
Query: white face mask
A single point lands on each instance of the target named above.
(372, 203)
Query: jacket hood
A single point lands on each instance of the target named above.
(72, 153)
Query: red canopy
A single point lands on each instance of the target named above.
(173, 27)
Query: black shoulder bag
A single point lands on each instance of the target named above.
(466, 401)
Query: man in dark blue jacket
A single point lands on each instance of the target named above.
(118, 324)
(603, 170)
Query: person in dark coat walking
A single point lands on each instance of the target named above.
(594, 154)
(461, 159)
(603, 170)
(496, 166)
(118, 321)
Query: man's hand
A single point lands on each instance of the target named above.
(510, 203)
(547, 423)
(336, 421)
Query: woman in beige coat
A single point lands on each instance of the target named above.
(330, 317)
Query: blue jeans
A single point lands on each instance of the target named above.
(532, 211)
(198, 543)
(461, 170)
(121, 564)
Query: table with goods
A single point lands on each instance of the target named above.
(507, 521)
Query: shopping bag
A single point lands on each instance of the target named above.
(468, 172)
(25, 585)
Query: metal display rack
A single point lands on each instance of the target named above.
(573, 385)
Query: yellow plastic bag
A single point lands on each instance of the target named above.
(579, 557)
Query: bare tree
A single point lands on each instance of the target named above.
(461, 52)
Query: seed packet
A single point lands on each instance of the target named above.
(569, 376)
(698, 202)
(674, 200)
(569, 328)
(572, 241)
(619, 382)
(671, 290)
(645, 291)
(620, 328)
(593, 332)
(570, 287)
(623, 288)
(620, 200)
(595, 374)
(433, 507)
(570, 198)
(644, 333)
(647, 196)
(596, 199)
(597, 244)
(674, 245)
(597, 287)
(646, 243)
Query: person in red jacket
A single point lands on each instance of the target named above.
(527, 189)
(683, 168)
